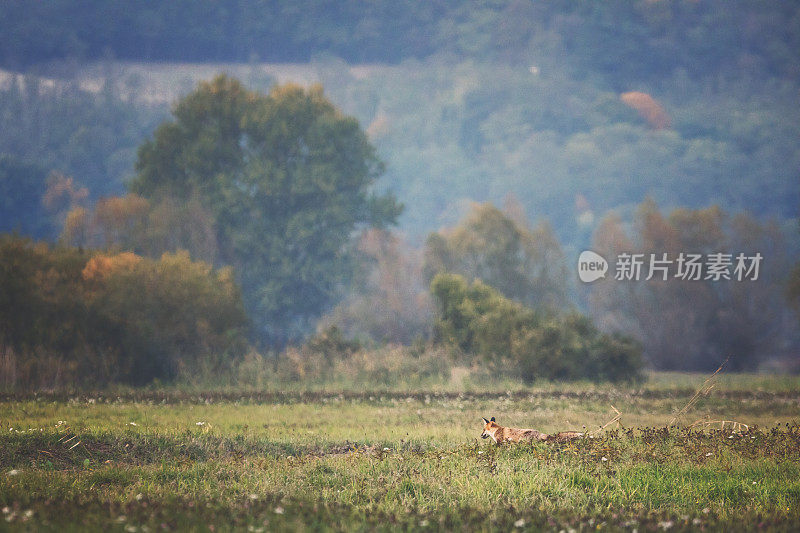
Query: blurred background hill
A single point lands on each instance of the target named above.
(491, 99)
(576, 118)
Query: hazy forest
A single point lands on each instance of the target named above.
(316, 175)
(272, 265)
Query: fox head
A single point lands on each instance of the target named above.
(489, 428)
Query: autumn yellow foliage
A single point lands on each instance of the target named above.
(101, 266)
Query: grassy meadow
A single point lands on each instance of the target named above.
(393, 459)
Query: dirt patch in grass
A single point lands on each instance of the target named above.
(284, 397)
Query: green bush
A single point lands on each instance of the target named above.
(331, 344)
(531, 345)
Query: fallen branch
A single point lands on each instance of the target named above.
(616, 419)
(736, 427)
(704, 389)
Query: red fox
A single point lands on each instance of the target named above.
(500, 434)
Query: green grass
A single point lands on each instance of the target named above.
(398, 460)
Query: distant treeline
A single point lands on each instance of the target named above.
(235, 179)
(90, 136)
(621, 40)
(504, 292)
(575, 108)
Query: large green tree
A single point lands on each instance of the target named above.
(286, 178)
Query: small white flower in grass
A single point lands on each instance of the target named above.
(520, 523)
(709, 454)
(604, 459)
(666, 524)
(480, 453)
(14, 472)
(253, 496)
(27, 514)
(132, 424)
(139, 497)
(199, 423)
(6, 510)
(696, 522)
(755, 483)
(279, 510)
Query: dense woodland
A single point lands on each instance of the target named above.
(620, 42)
(490, 141)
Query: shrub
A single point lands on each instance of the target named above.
(331, 344)
(73, 317)
(529, 344)
(168, 315)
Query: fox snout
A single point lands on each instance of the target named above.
(487, 424)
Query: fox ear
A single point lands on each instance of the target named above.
(492, 420)
(485, 421)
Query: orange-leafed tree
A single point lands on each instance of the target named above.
(71, 317)
(648, 108)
